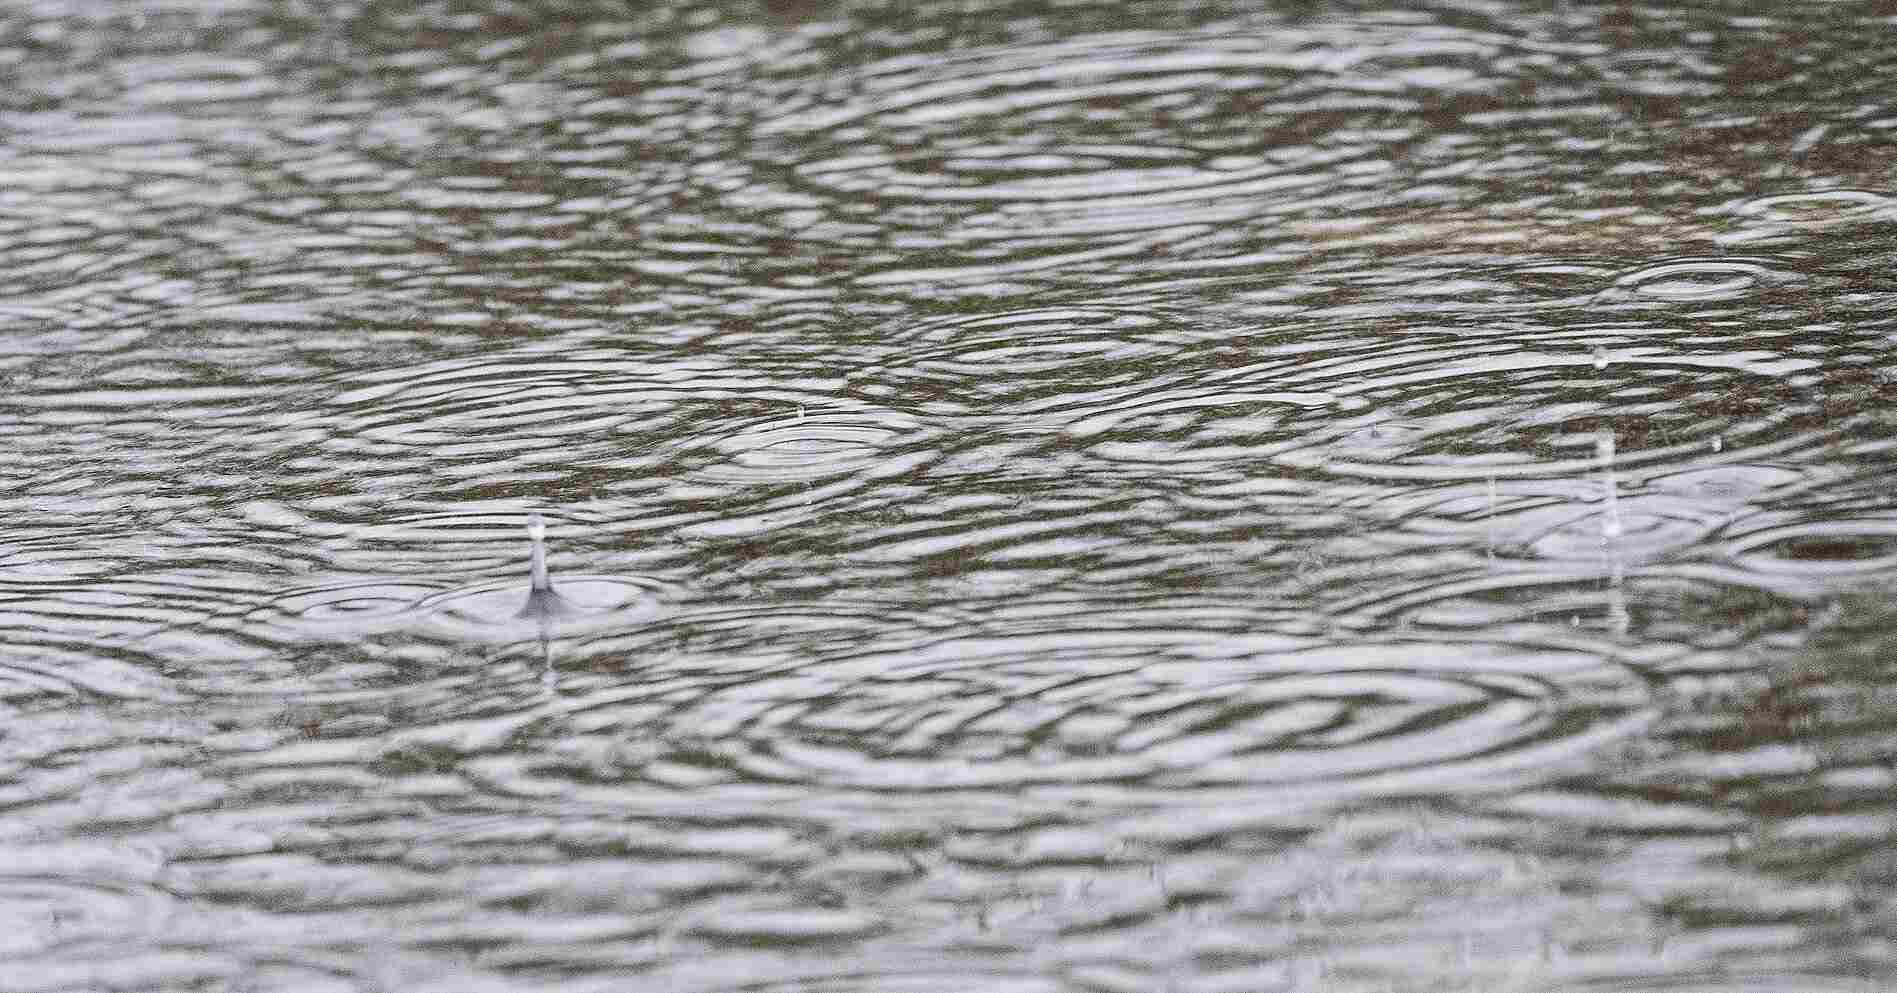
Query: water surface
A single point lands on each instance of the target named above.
(1053, 497)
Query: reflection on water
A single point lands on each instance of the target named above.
(1054, 497)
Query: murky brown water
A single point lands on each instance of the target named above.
(1100, 497)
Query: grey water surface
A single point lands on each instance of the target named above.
(1039, 496)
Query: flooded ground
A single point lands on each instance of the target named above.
(1041, 497)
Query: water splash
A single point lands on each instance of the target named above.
(497, 611)
(544, 604)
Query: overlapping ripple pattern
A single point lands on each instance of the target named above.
(1038, 497)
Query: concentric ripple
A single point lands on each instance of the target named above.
(1119, 178)
(481, 611)
(1642, 526)
(47, 670)
(1684, 603)
(1048, 363)
(1690, 279)
(1020, 488)
(1210, 426)
(1652, 514)
(1097, 152)
(1817, 209)
(1319, 716)
(1536, 285)
(804, 446)
(1834, 548)
(1418, 414)
(1104, 703)
(553, 414)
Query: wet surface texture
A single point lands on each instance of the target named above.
(1039, 497)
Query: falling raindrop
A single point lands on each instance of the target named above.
(1489, 522)
(1610, 507)
(1618, 618)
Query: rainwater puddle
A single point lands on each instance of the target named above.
(1055, 498)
